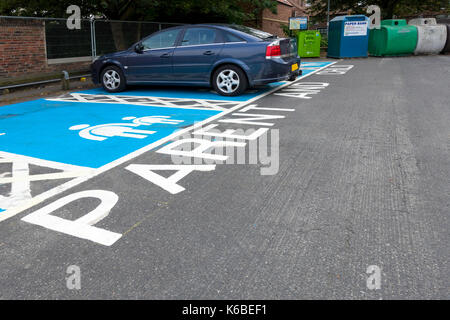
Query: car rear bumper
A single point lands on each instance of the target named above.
(278, 79)
(278, 70)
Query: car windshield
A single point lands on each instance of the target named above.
(254, 32)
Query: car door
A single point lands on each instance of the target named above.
(193, 58)
(154, 63)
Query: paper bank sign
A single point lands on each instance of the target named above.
(355, 28)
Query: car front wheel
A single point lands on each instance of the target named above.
(113, 79)
(229, 80)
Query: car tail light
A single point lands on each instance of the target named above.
(273, 50)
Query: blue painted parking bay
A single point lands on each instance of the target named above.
(87, 134)
(92, 128)
(186, 93)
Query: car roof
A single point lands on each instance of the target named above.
(226, 27)
(222, 26)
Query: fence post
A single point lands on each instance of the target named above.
(93, 42)
(65, 81)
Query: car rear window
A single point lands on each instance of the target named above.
(251, 31)
(231, 38)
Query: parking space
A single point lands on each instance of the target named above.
(74, 134)
(87, 134)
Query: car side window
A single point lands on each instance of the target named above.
(163, 39)
(231, 38)
(196, 36)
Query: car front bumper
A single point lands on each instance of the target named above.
(94, 73)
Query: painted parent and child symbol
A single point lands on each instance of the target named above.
(104, 131)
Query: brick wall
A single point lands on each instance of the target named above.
(272, 22)
(23, 50)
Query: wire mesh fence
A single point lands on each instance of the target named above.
(112, 36)
(61, 42)
(93, 38)
(323, 37)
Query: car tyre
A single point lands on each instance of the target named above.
(112, 79)
(229, 80)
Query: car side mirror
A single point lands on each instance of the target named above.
(139, 47)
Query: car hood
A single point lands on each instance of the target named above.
(115, 54)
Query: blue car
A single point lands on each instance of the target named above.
(229, 58)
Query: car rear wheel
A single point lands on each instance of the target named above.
(113, 79)
(229, 80)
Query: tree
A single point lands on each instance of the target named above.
(389, 8)
(41, 8)
(187, 11)
(182, 11)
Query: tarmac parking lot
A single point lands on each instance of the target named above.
(290, 191)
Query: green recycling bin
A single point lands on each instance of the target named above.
(394, 38)
(308, 44)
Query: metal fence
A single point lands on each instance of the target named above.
(95, 37)
(110, 36)
(61, 42)
(324, 37)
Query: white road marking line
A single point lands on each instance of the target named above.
(39, 177)
(79, 97)
(139, 104)
(208, 105)
(20, 189)
(168, 98)
(6, 157)
(253, 106)
(251, 117)
(82, 227)
(72, 183)
(169, 184)
(113, 97)
(21, 178)
(196, 104)
(134, 103)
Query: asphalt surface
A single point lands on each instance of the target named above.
(363, 179)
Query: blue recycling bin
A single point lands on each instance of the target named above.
(348, 37)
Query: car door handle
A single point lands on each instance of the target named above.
(165, 55)
(208, 53)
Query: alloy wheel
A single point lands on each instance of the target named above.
(111, 79)
(228, 81)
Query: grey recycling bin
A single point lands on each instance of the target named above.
(431, 37)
